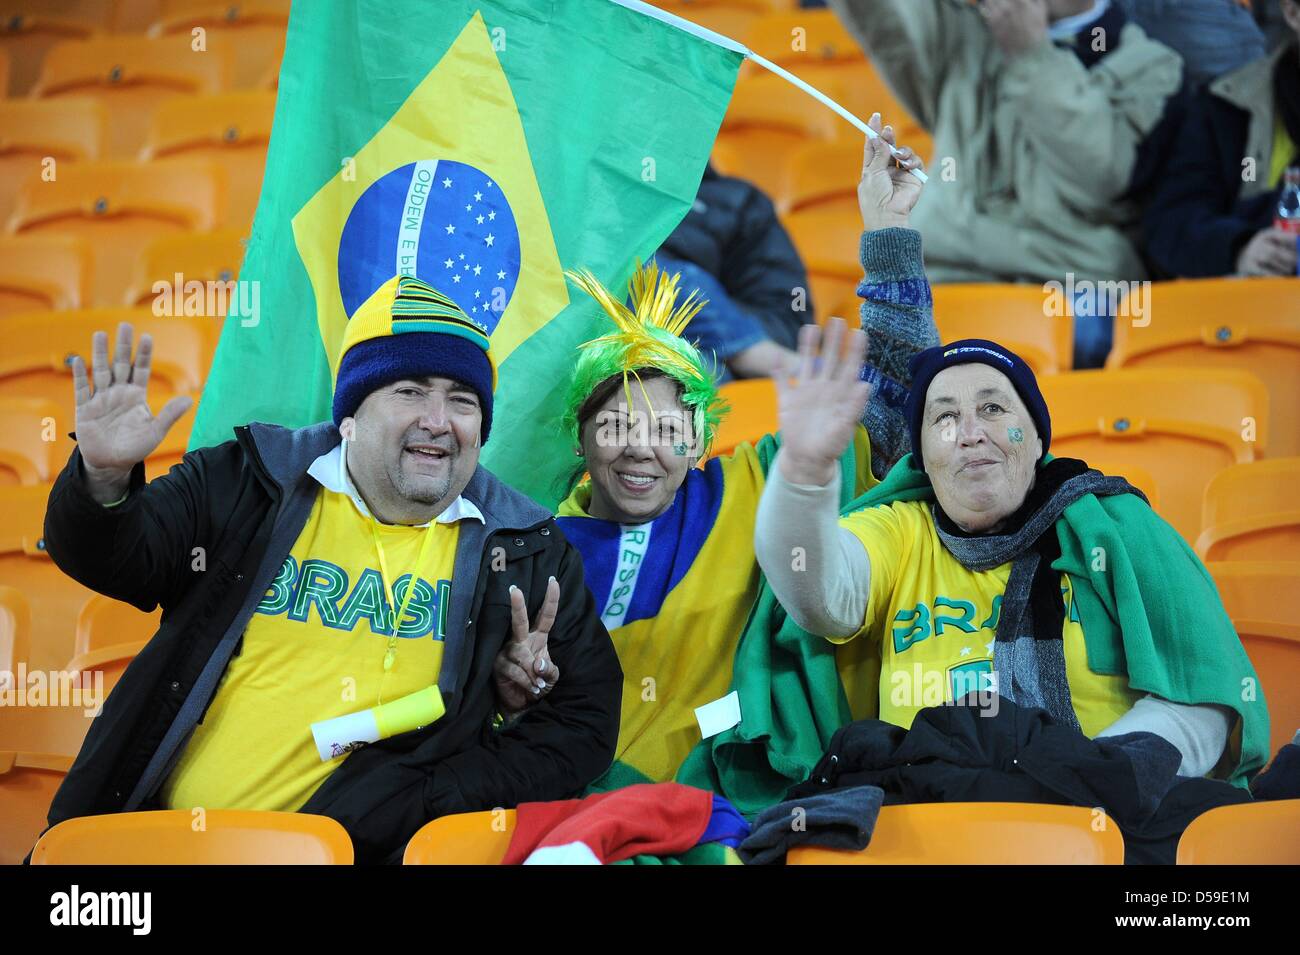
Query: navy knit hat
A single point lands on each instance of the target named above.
(925, 365)
(408, 329)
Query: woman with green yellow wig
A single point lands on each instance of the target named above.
(667, 542)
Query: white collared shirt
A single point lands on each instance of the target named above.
(331, 471)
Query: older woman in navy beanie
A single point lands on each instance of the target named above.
(983, 564)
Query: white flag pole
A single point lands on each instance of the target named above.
(727, 43)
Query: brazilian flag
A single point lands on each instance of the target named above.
(483, 147)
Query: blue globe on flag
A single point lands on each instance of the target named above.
(441, 221)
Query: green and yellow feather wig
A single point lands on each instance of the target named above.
(648, 335)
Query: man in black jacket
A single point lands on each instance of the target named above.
(1213, 209)
(313, 574)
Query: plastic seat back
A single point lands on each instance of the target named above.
(1247, 324)
(109, 635)
(32, 449)
(229, 129)
(753, 414)
(1181, 428)
(1253, 833)
(981, 833)
(1250, 512)
(131, 76)
(43, 272)
(1017, 316)
(201, 837)
(39, 137)
(118, 209)
(28, 782)
(472, 838)
(1254, 594)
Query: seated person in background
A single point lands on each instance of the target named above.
(733, 250)
(668, 547)
(1036, 125)
(1213, 210)
(1212, 36)
(986, 567)
(346, 566)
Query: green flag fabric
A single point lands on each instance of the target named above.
(483, 147)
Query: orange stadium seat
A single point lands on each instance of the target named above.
(130, 76)
(15, 630)
(767, 121)
(54, 598)
(802, 41)
(26, 36)
(827, 240)
(28, 782)
(470, 838)
(119, 208)
(37, 363)
(32, 448)
(1181, 428)
(981, 833)
(32, 133)
(254, 30)
(1251, 324)
(40, 272)
(109, 635)
(824, 173)
(753, 414)
(1012, 315)
(200, 256)
(184, 837)
(1253, 833)
(1255, 593)
(231, 129)
(1249, 512)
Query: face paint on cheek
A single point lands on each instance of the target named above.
(679, 449)
(1015, 434)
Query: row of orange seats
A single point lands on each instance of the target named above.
(1264, 833)
(45, 45)
(57, 272)
(55, 152)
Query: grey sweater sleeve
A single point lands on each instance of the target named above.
(897, 313)
(1199, 732)
(819, 571)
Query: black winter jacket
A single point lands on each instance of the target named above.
(244, 503)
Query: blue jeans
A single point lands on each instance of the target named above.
(722, 328)
(1212, 36)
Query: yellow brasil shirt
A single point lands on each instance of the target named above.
(674, 594)
(935, 622)
(314, 650)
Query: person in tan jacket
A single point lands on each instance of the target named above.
(1037, 109)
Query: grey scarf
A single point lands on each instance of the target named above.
(1028, 655)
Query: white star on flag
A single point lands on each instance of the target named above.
(965, 651)
(450, 228)
(446, 184)
(489, 238)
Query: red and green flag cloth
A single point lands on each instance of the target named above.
(483, 147)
